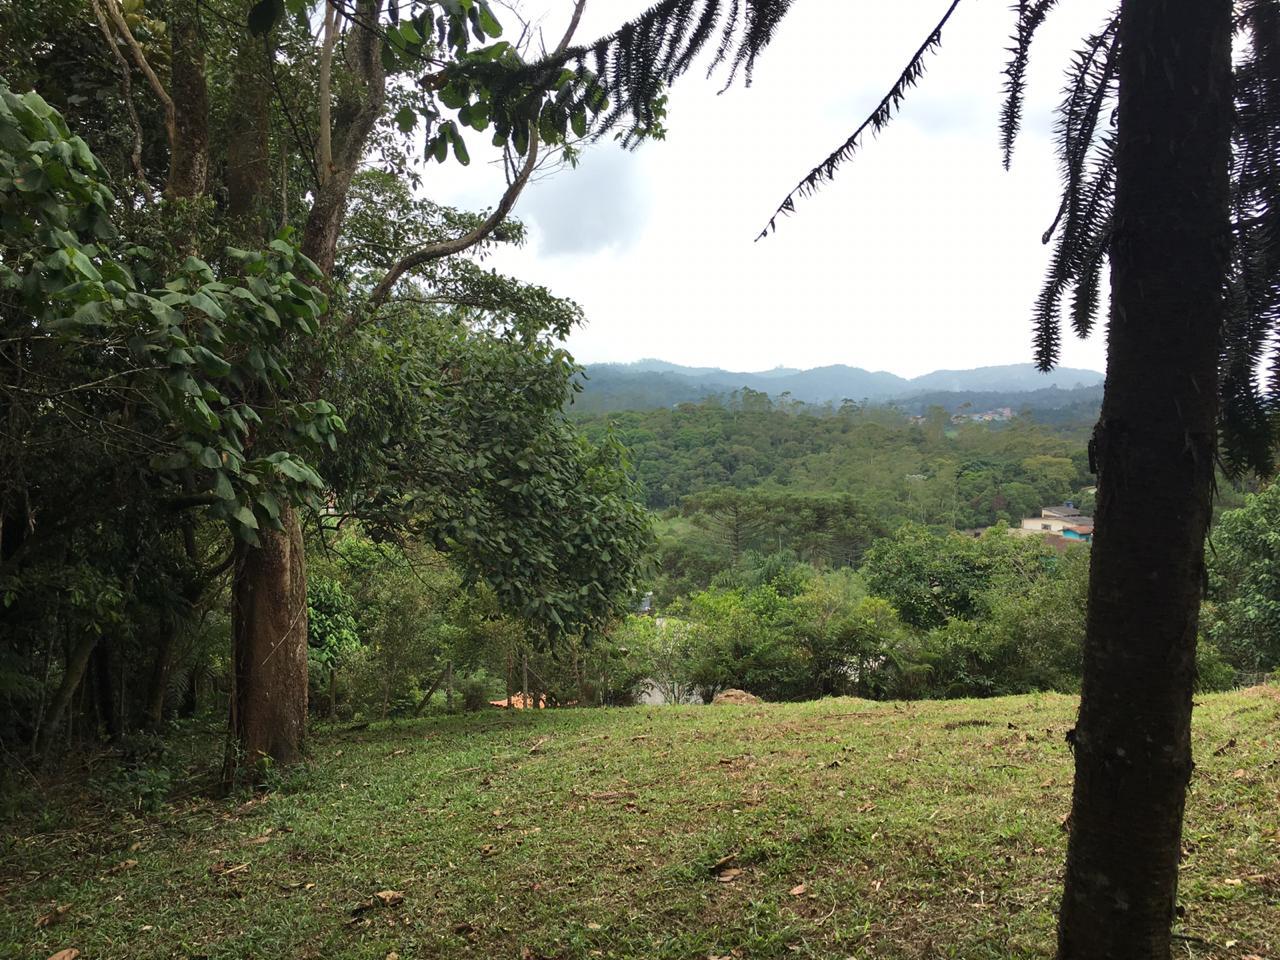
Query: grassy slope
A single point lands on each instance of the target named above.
(917, 830)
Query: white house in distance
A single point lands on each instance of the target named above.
(1065, 521)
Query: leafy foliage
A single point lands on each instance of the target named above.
(1243, 615)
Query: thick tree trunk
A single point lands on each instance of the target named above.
(248, 153)
(189, 163)
(269, 620)
(1154, 453)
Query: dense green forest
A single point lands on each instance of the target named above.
(805, 550)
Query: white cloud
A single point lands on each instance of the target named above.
(924, 254)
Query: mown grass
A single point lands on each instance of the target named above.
(915, 830)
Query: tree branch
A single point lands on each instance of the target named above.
(140, 58)
(447, 248)
(126, 88)
(325, 106)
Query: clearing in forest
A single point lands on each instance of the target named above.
(839, 828)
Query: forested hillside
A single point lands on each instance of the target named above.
(646, 384)
(932, 470)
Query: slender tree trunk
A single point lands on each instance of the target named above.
(269, 621)
(1154, 453)
(426, 699)
(159, 682)
(77, 664)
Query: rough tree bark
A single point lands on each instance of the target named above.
(1154, 453)
(269, 623)
(189, 153)
(248, 152)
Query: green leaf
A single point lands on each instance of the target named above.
(207, 305)
(212, 364)
(459, 146)
(406, 119)
(222, 486)
(84, 266)
(245, 516)
(488, 22)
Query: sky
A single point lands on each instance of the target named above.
(924, 254)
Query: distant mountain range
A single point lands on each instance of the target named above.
(647, 384)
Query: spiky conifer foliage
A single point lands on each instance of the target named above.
(1082, 231)
(638, 60)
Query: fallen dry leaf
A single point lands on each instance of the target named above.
(724, 861)
(729, 875)
(798, 890)
(393, 956)
(390, 898)
(121, 867)
(71, 953)
(538, 744)
(594, 926)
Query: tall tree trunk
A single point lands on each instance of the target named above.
(269, 622)
(189, 163)
(1154, 453)
(249, 151)
(269, 591)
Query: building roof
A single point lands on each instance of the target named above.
(1063, 511)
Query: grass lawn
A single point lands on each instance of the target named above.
(840, 828)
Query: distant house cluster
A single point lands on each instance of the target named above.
(1000, 415)
(1064, 522)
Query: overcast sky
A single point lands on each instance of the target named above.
(924, 254)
